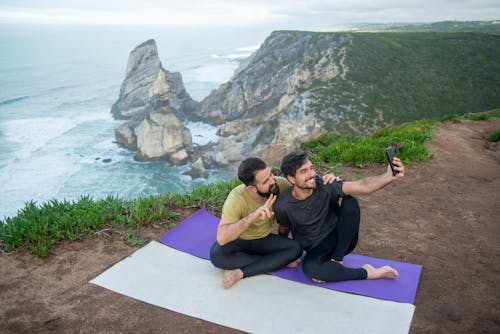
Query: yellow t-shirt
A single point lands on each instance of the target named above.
(240, 204)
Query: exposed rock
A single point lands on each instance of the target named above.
(264, 104)
(296, 86)
(162, 135)
(198, 169)
(147, 86)
(125, 136)
(153, 99)
(179, 157)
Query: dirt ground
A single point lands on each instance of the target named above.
(445, 215)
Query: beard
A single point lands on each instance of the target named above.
(274, 190)
(305, 186)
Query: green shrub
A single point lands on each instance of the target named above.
(361, 151)
(495, 136)
(40, 227)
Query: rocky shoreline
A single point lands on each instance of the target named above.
(296, 86)
(258, 112)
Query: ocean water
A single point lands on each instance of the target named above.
(57, 85)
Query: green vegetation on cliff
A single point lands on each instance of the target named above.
(488, 27)
(397, 77)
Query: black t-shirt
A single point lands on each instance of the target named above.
(312, 219)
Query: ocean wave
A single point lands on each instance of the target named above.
(202, 133)
(14, 100)
(232, 57)
(216, 73)
(33, 133)
(250, 48)
(61, 88)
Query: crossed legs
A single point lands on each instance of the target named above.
(324, 262)
(245, 258)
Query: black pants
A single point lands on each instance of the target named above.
(341, 241)
(257, 256)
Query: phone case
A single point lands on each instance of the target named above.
(390, 155)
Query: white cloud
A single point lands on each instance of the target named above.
(281, 13)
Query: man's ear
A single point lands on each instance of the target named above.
(291, 179)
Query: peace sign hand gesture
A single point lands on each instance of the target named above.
(265, 211)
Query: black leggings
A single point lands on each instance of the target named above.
(318, 262)
(257, 256)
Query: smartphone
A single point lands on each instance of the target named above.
(390, 155)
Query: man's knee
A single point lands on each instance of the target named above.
(215, 255)
(350, 206)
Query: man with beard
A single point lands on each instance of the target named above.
(245, 245)
(326, 230)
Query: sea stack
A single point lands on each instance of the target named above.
(153, 100)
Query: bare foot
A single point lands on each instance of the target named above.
(382, 272)
(317, 280)
(293, 264)
(231, 277)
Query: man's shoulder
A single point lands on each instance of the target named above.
(283, 198)
(283, 183)
(235, 204)
(237, 193)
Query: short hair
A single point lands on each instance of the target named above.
(248, 168)
(291, 162)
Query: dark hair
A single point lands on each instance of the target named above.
(248, 168)
(291, 162)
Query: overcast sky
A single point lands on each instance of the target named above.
(307, 14)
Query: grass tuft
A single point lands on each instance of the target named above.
(495, 136)
(361, 151)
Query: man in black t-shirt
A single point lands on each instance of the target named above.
(326, 230)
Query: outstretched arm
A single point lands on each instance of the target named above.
(371, 184)
(229, 231)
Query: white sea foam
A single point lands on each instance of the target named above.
(212, 73)
(232, 56)
(202, 133)
(37, 178)
(56, 131)
(33, 133)
(250, 48)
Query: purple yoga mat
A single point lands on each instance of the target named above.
(196, 234)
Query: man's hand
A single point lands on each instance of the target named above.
(229, 231)
(329, 178)
(265, 211)
(398, 166)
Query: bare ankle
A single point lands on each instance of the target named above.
(382, 272)
(231, 277)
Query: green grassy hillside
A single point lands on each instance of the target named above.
(397, 77)
(489, 27)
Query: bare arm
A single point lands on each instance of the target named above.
(371, 184)
(229, 231)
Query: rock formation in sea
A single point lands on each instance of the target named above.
(154, 102)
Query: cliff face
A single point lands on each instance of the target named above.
(263, 109)
(153, 101)
(298, 85)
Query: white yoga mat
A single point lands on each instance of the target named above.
(165, 277)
